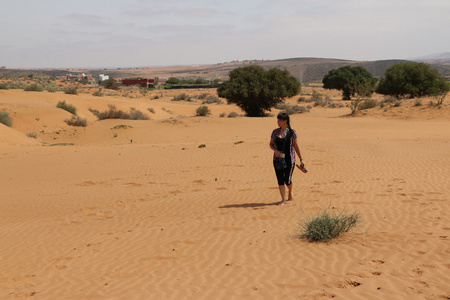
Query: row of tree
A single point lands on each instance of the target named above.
(256, 90)
(403, 80)
(177, 81)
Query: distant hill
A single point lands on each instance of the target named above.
(306, 70)
(313, 70)
(433, 57)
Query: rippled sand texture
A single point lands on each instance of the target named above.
(142, 212)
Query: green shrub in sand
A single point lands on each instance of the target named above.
(327, 225)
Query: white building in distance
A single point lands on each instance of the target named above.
(103, 77)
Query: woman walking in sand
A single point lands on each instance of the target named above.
(284, 144)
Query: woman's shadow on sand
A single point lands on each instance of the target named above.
(248, 205)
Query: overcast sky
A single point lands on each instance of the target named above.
(132, 33)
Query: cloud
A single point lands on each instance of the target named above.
(185, 13)
(209, 31)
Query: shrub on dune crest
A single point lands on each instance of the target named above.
(67, 107)
(5, 118)
(76, 121)
(114, 113)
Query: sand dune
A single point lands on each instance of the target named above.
(141, 212)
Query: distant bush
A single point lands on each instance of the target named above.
(203, 111)
(52, 89)
(76, 121)
(390, 99)
(367, 104)
(327, 225)
(150, 109)
(3, 86)
(144, 91)
(418, 102)
(316, 97)
(291, 109)
(233, 115)
(114, 113)
(67, 107)
(222, 115)
(32, 135)
(203, 96)
(296, 109)
(111, 84)
(398, 103)
(17, 84)
(182, 97)
(211, 100)
(98, 93)
(335, 105)
(71, 90)
(34, 87)
(5, 119)
(135, 114)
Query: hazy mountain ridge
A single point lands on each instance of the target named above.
(433, 57)
(305, 69)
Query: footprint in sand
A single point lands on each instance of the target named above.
(323, 295)
(376, 262)
(417, 272)
(367, 274)
(25, 294)
(348, 284)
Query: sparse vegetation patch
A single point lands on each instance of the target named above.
(71, 90)
(291, 109)
(211, 100)
(203, 111)
(76, 121)
(114, 113)
(98, 93)
(327, 225)
(34, 87)
(367, 104)
(182, 97)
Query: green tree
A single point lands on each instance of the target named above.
(412, 80)
(201, 81)
(256, 90)
(173, 80)
(352, 81)
(111, 84)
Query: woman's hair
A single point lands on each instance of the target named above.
(285, 117)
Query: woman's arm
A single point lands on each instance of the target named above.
(297, 149)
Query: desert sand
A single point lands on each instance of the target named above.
(142, 212)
